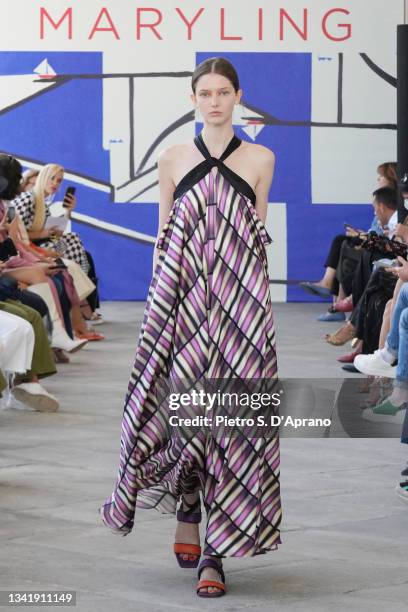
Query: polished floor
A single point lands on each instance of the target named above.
(344, 531)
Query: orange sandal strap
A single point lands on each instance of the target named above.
(210, 583)
(187, 549)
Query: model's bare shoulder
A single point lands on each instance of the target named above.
(260, 153)
(174, 152)
(166, 157)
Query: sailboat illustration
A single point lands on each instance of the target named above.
(45, 70)
(248, 120)
(253, 128)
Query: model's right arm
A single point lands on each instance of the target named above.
(166, 191)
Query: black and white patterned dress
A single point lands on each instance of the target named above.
(69, 245)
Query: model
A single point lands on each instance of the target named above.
(208, 316)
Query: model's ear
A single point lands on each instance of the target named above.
(193, 99)
(238, 96)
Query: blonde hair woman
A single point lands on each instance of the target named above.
(33, 210)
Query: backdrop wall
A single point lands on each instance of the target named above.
(102, 87)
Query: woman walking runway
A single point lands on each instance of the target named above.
(208, 316)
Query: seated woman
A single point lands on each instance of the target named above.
(72, 283)
(25, 267)
(89, 307)
(25, 351)
(328, 285)
(34, 212)
(76, 284)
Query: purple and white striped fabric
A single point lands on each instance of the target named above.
(208, 315)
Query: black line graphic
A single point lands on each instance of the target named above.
(142, 191)
(139, 175)
(173, 126)
(388, 78)
(132, 128)
(119, 75)
(269, 119)
(40, 162)
(262, 116)
(7, 109)
(340, 91)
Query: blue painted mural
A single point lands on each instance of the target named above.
(63, 123)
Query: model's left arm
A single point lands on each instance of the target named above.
(265, 161)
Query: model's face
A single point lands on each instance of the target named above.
(215, 98)
(53, 183)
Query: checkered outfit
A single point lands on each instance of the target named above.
(69, 245)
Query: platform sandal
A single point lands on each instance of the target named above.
(203, 584)
(181, 548)
(346, 333)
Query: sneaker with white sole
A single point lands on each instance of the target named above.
(374, 365)
(375, 417)
(386, 407)
(35, 396)
(402, 490)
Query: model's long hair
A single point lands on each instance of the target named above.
(216, 65)
(39, 194)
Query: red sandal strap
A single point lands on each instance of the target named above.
(210, 583)
(187, 549)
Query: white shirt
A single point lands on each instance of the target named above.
(392, 224)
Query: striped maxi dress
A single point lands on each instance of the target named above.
(208, 314)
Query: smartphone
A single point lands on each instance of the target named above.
(69, 191)
(11, 214)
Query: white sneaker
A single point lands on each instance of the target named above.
(374, 365)
(64, 342)
(35, 396)
(402, 490)
(396, 419)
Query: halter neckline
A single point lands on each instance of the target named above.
(198, 172)
(233, 144)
